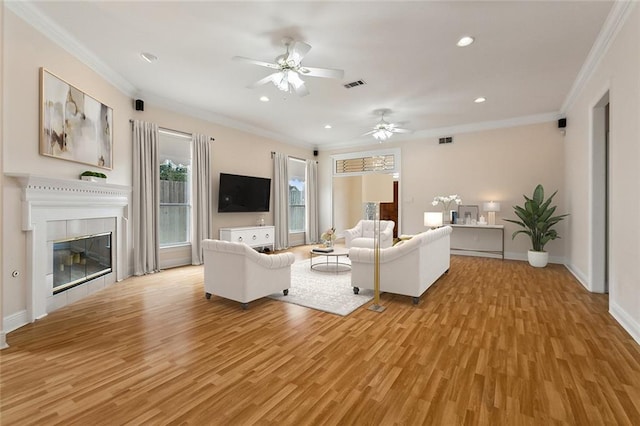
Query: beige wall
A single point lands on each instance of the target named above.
(26, 50)
(619, 74)
(499, 165)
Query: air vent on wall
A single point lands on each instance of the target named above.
(448, 139)
(354, 84)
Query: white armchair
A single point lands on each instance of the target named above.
(362, 234)
(236, 271)
(408, 268)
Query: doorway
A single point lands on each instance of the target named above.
(600, 196)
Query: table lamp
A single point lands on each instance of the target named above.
(377, 188)
(433, 219)
(491, 207)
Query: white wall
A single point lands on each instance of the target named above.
(499, 165)
(618, 73)
(25, 50)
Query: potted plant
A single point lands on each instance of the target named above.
(536, 217)
(93, 176)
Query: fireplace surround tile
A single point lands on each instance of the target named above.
(56, 230)
(76, 228)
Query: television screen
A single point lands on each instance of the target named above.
(243, 193)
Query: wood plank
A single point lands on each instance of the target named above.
(492, 342)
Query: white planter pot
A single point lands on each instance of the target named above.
(538, 259)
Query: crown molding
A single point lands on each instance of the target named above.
(28, 12)
(619, 13)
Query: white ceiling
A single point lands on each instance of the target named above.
(526, 57)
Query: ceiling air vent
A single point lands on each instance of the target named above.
(354, 84)
(448, 139)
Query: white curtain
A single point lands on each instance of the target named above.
(146, 198)
(201, 200)
(312, 235)
(281, 200)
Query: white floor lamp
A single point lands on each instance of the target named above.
(377, 188)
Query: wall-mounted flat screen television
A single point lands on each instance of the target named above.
(239, 193)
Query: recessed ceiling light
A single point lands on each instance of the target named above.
(465, 41)
(327, 126)
(149, 57)
(479, 100)
(264, 99)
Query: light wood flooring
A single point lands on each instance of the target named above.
(492, 342)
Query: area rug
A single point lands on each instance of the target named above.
(325, 291)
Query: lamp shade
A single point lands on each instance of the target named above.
(491, 206)
(432, 219)
(377, 188)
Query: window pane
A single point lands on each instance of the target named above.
(297, 195)
(175, 178)
(173, 224)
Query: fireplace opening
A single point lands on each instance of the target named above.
(81, 259)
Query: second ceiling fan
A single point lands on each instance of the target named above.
(384, 130)
(289, 69)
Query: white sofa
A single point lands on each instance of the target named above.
(408, 268)
(362, 234)
(236, 271)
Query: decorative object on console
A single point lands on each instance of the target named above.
(491, 207)
(433, 219)
(73, 125)
(377, 188)
(537, 220)
(328, 237)
(468, 214)
(446, 201)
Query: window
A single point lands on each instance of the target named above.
(297, 195)
(175, 189)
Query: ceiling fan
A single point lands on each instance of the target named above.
(384, 130)
(289, 69)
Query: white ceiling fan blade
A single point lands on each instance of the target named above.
(370, 132)
(322, 72)
(298, 84)
(298, 51)
(399, 130)
(268, 79)
(255, 62)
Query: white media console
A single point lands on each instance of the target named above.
(254, 236)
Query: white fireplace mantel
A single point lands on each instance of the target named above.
(47, 199)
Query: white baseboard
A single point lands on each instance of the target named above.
(579, 275)
(15, 321)
(512, 255)
(625, 320)
(3, 340)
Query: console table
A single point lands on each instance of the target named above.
(253, 236)
(478, 238)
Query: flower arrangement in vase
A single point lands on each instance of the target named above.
(446, 202)
(328, 237)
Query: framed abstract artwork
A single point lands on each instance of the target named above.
(73, 125)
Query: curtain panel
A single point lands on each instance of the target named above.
(312, 235)
(146, 198)
(281, 200)
(201, 196)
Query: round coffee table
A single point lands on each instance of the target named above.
(331, 262)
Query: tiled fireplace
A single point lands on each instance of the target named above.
(76, 239)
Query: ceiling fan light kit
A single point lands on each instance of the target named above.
(384, 130)
(289, 68)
